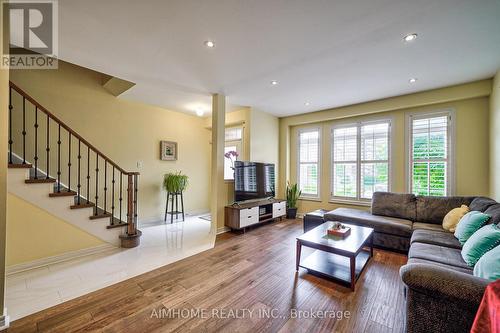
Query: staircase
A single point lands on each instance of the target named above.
(55, 168)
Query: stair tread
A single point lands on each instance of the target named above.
(82, 205)
(62, 194)
(116, 225)
(100, 216)
(20, 166)
(39, 180)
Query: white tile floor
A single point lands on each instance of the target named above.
(37, 289)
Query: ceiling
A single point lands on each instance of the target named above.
(329, 53)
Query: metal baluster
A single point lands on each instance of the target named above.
(113, 198)
(59, 159)
(79, 162)
(121, 195)
(88, 175)
(96, 183)
(47, 149)
(24, 130)
(10, 126)
(36, 142)
(69, 162)
(105, 185)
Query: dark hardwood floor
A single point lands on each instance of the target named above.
(253, 271)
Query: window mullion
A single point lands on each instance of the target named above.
(358, 163)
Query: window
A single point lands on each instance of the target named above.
(308, 162)
(233, 139)
(430, 154)
(360, 160)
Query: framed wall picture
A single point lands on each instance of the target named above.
(168, 151)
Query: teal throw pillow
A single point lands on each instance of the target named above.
(488, 267)
(483, 240)
(469, 224)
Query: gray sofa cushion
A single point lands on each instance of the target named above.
(467, 270)
(391, 242)
(494, 212)
(446, 239)
(394, 205)
(434, 209)
(389, 225)
(428, 226)
(480, 204)
(436, 253)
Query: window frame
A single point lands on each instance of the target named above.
(358, 200)
(305, 196)
(451, 114)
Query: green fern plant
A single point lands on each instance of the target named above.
(292, 195)
(175, 182)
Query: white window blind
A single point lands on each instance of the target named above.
(360, 160)
(345, 160)
(430, 155)
(234, 133)
(374, 159)
(308, 162)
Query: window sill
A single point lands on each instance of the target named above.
(228, 180)
(350, 202)
(310, 199)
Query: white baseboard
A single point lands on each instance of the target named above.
(4, 320)
(153, 219)
(222, 230)
(58, 258)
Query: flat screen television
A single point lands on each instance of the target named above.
(253, 180)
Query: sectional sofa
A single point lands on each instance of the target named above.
(441, 293)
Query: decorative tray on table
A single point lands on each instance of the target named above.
(338, 229)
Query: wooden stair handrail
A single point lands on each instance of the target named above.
(66, 127)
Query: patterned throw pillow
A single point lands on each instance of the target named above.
(488, 267)
(451, 219)
(482, 241)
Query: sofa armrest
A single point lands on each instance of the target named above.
(439, 282)
(440, 299)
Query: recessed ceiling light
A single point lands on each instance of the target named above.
(410, 37)
(412, 80)
(274, 82)
(307, 103)
(199, 112)
(209, 44)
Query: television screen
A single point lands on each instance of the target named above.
(253, 180)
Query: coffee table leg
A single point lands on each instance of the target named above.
(371, 246)
(353, 272)
(297, 260)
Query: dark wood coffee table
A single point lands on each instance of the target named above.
(336, 258)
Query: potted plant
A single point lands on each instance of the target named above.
(292, 195)
(175, 182)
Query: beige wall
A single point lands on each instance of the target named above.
(53, 236)
(495, 138)
(264, 139)
(471, 127)
(127, 132)
(217, 186)
(4, 100)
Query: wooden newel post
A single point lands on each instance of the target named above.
(130, 206)
(132, 237)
